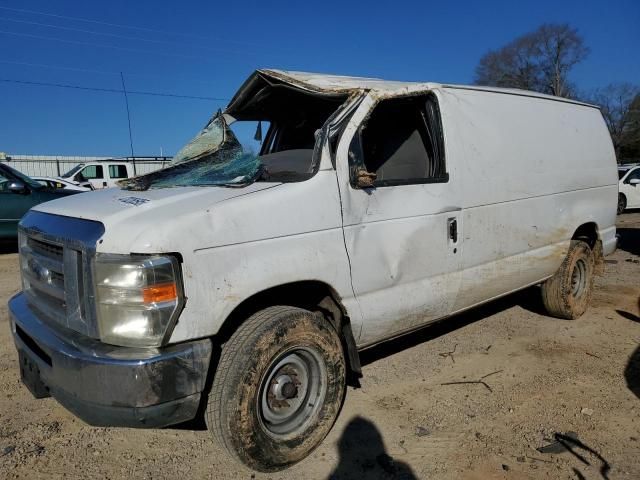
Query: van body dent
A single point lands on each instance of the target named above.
(372, 209)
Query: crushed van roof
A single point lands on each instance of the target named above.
(328, 83)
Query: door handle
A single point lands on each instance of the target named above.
(453, 229)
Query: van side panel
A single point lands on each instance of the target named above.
(235, 249)
(533, 170)
(404, 266)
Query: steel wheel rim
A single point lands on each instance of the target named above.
(292, 392)
(579, 278)
(621, 204)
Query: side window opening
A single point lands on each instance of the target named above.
(117, 171)
(632, 175)
(289, 145)
(92, 172)
(401, 143)
(4, 184)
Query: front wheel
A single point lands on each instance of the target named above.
(568, 292)
(278, 388)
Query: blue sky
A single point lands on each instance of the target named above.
(204, 49)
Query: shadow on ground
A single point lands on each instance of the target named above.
(583, 453)
(632, 372)
(362, 454)
(629, 316)
(629, 240)
(8, 246)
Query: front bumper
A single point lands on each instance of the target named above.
(112, 386)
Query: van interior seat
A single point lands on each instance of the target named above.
(298, 160)
(403, 156)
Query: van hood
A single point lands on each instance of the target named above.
(130, 218)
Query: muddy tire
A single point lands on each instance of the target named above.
(278, 388)
(568, 292)
(622, 203)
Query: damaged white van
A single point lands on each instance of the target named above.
(243, 284)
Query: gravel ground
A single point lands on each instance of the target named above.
(570, 386)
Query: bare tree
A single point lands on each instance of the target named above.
(540, 60)
(511, 66)
(617, 102)
(630, 148)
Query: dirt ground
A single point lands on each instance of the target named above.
(570, 386)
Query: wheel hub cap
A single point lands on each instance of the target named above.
(292, 391)
(579, 278)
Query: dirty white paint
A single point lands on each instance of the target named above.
(525, 170)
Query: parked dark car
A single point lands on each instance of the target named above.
(18, 193)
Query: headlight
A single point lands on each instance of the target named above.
(138, 298)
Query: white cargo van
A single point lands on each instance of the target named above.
(102, 174)
(628, 187)
(246, 283)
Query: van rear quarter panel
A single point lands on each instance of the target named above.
(532, 171)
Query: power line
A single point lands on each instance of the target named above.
(198, 79)
(72, 69)
(110, 90)
(98, 45)
(123, 37)
(132, 27)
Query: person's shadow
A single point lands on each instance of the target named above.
(632, 371)
(363, 455)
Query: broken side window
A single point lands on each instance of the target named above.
(401, 143)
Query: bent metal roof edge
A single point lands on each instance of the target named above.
(336, 83)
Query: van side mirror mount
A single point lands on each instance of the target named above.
(364, 178)
(634, 181)
(17, 187)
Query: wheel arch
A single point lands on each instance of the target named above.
(589, 233)
(313, 295)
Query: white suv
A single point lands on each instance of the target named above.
(628, 188)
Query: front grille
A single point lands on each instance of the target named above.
(46, 249)
(53, 280)
(56, 262)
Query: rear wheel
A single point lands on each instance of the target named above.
(568, 292)
(278, 388)
(622, 203)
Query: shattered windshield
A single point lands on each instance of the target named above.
(213, 157)
(289, 123)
